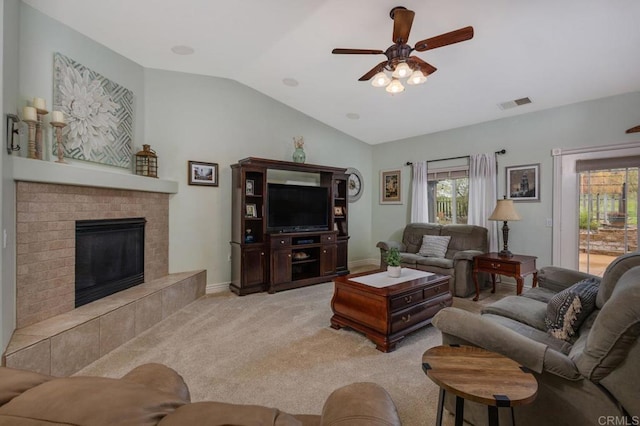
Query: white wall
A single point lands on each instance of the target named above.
(528, 139)
(199, 118)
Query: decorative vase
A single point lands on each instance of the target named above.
(299, 156)
(394, 271)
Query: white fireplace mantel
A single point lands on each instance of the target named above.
(28, 170)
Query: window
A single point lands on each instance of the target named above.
(449, 195)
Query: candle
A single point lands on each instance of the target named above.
(39, 103)
(29, 114)
(57, 117)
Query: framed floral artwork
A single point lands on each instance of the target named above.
(523, 182)
(99, 114)
(391, 186)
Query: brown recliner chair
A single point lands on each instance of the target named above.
(153, 394)
(591, 379)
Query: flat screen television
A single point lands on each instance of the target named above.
(297, 208)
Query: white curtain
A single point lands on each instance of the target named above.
(483, 193)
(419, 193)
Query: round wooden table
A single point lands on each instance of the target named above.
(478, 375)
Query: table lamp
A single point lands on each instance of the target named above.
(505, 212)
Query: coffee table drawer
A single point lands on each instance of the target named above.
(419, 313)
(489, 265)
(436, 290)
(406, 300)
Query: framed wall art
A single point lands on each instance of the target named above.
(203, 173)
(390, 186)
(99, 114)
(523, 182)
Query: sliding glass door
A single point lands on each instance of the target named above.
(608, 212)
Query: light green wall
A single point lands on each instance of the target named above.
(9, 16)
(528, 139)
(199, 118)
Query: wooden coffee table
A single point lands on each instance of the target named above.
(478, 375)
(387, 313)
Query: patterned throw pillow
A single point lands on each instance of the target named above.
(567, 310)
(434, 246)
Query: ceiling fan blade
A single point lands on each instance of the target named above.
(356, 52)
(634, 130)
(402, 21)
(446, 39)
(373, 71)
(422, 65)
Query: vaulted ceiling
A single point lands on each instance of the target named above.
(554, 52)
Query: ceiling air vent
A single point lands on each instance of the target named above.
(514, 103)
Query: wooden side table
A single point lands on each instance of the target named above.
(478, 375)
(517, 266)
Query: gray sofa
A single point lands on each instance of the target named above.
(582, 381)
(466, 242)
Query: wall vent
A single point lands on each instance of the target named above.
(514, 103)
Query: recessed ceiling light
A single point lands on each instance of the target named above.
(291, 82)
(353, 115)
(182, 50)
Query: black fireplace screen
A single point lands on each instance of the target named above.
(109, 257)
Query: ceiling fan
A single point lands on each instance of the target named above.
(398, 54)
(633, 130)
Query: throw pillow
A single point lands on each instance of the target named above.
(568, 309)
(434, 246)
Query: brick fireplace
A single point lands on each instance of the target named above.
(45, 219)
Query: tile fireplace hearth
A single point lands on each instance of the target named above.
(46, 223)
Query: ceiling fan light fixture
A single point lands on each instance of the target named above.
(380, 80)
(395, 86)
(402, 70)
(417, 77)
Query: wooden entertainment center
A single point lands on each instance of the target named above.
(273, 261)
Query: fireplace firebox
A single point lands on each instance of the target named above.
(109, 257)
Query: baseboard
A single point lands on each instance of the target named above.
(217, 288)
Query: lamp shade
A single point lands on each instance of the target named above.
(395, 86)
(402, 70)
(417, 77)
(504, 211)
(380, 80)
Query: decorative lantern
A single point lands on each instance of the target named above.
(147, 162)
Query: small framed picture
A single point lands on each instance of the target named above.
(390, 187)
(249, 187)
(523, 182)
(337, 211)
(203, 173)
(251, 210)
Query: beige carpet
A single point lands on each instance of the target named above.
(278, 350)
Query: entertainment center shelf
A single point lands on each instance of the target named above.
(287, 234)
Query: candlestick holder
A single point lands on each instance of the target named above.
(31, 147)
(58, 126)
(39, 144)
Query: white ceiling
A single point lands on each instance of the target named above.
(555, 52)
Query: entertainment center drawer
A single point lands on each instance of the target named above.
(419, 313)
(405, 300)
(328, 238)
(280, 241)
